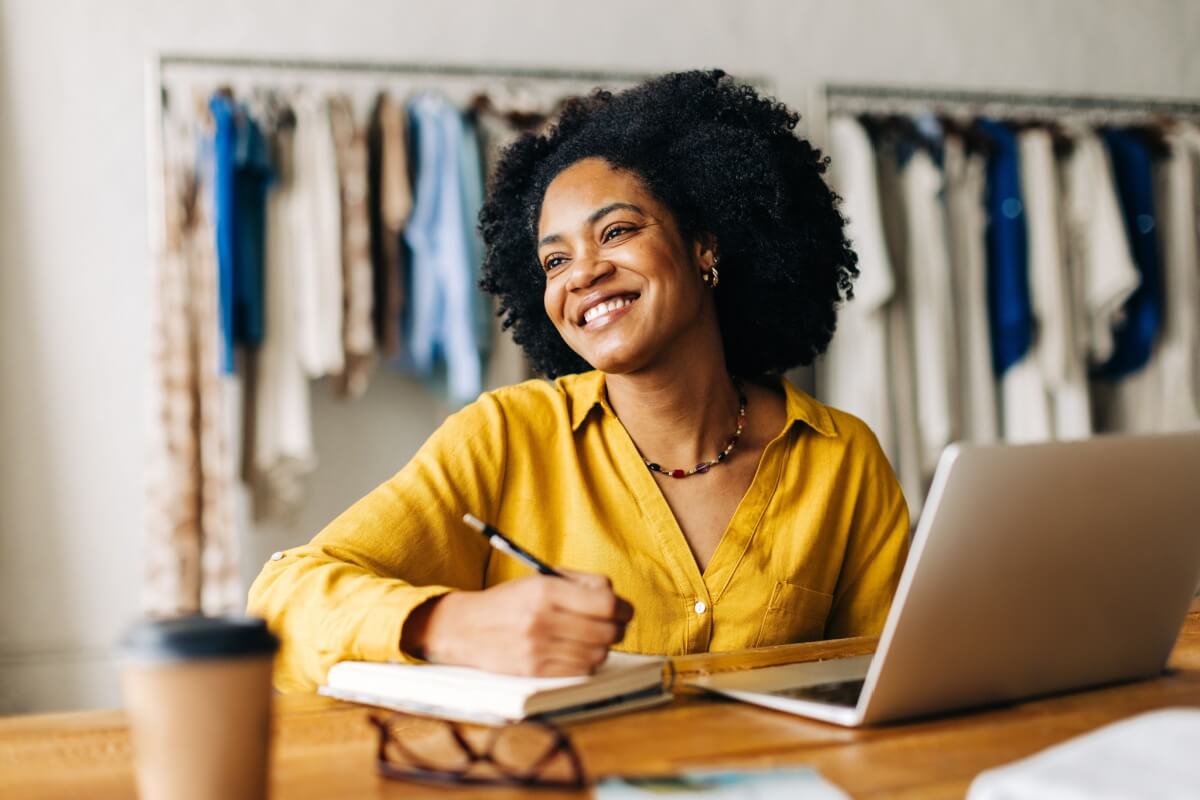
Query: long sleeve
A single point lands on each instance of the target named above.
(347, 594)
(876, 548)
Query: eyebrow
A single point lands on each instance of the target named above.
(591, 220)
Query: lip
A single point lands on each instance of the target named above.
(600, 297)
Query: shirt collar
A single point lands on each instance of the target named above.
(587, 392)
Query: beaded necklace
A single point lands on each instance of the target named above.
(731, 443)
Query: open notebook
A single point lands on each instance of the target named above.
(622, 683)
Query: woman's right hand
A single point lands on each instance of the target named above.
(540, 625)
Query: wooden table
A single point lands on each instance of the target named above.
(325, 749)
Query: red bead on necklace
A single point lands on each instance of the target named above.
(721, 456)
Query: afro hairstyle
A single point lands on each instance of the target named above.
(728, 165)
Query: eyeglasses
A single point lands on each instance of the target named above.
(533, 753)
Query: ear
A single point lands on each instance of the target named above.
(704, 251)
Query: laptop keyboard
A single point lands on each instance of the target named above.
(838, 693)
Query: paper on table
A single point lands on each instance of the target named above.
(1150, 755)
(801, 783)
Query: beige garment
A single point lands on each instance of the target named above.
(191, 545)
(358, 335)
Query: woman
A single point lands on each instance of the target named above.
(665, 254)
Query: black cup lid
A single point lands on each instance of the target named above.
(199, 637)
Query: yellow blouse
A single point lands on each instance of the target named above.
(814, 549)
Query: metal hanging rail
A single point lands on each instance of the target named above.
(840, 96)
(166, 60)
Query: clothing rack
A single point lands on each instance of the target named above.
(832, 98)
(841, 95)
(222, 67)
(167, 60)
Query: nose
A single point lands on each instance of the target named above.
(588, 270)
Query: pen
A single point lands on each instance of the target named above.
(505, 545)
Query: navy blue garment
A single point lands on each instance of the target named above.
(224, 139)
(1134, 335)
(1010, 310)
(252, 177)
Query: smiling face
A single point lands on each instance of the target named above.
(623, 287)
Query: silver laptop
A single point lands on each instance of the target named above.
(1035, 569)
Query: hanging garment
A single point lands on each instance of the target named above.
(442, 309)
(252, 177)
(965, 173)
(930, 301)
(1135, 334)
(1127, 384)
(1190, 135)
(1178, 351)
(224, 215)
(1101, 265)
(358, 333)
(282, 451)
(471, 171)
(852, 374)
(1009, 310)
(890, 151)
(506, 361)
(1024, 411)
(191, 545)
(1055, 350)
(1160, 396)
(389, 204)
(317, 208)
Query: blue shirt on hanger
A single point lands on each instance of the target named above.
(1010, 310)
(252, 176)
(223, 111)
(443, 296)
(1134, 335)
(241, 173)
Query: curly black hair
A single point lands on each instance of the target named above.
(727, 164)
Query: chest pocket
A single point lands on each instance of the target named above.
(795, 614)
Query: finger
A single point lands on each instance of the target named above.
(591, 580)
(584, 630)
(590, 602)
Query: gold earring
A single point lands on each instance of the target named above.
(711, 278)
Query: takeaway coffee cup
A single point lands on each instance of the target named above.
(198, 694)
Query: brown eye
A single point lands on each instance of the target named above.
(553, 262)
(616, 230)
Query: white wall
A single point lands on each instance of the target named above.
(73, 262)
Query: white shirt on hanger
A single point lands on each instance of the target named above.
(1053, 401)
(852, 374)
(966, 221)
(1176, 355)
(1098, 248)
(283, 438)
(931, 308)
(318, 226)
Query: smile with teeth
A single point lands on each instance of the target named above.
(607, 307)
